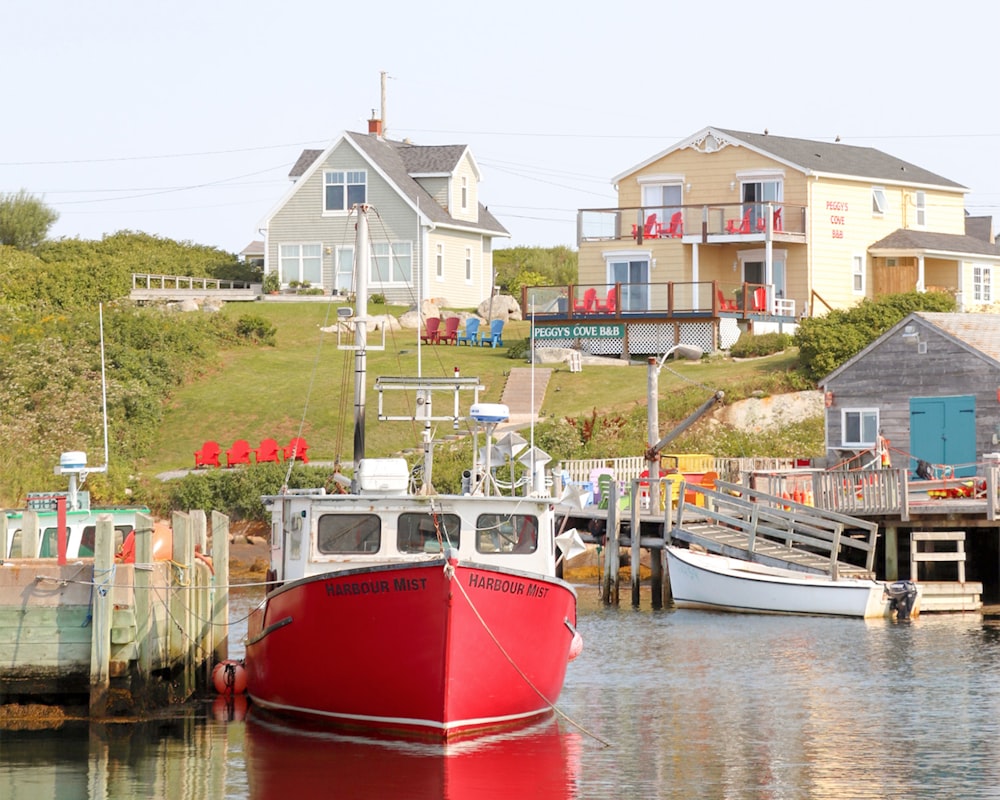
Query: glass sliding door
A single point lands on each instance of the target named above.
(633, 275)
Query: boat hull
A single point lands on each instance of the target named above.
(701, 580)
(438, 649)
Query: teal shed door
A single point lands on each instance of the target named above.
(943, 431)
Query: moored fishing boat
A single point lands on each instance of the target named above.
(709, 581)
(398, 611)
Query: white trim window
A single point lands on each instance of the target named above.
(982, 283)
(920, 201)
(880, 203)
(859, 427)
(468, 265)
(465, 193)
(439, 261)
(301, 262)
(342, 190)
(858, 274)
(665, 200)
(392, 263)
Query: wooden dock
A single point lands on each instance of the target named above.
(753, 525)
(125, 636)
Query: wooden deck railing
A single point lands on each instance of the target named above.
(148, 280)
(624, 301)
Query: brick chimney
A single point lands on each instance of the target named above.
(375, 125)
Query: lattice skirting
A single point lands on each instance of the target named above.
(653, 338)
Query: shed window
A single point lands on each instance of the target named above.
(860, 427)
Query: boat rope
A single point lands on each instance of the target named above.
(519, 671)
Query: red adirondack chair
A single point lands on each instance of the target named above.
(676, 228)
(268, 451)
(724, 304)
(736, 226)
(297, 449)
(432, 334)
(208, 456)
(649, 230)
(589, 304)
(610, 304)
(239, 453)
(450, 333)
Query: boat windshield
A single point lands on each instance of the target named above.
(506, 533)
(427, 533)
(349, 533)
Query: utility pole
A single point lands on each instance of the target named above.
(385, 127)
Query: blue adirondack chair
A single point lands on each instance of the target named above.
(495, 337)
(471, 332)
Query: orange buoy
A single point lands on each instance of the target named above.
(229, 677)
(576, 646)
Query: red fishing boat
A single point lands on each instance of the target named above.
(398, 611)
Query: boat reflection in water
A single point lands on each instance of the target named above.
(299, 761)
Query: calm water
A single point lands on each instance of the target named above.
(690, 704)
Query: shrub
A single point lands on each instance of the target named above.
(519, 350)
(272, 283)
(256, 329)
(765, 344)
(827, 342)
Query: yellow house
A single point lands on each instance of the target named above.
(728, 230)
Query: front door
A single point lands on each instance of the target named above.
(943, 432)
(344, 281)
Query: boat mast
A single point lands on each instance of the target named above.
(362, 256)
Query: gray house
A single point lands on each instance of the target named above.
(930, 385)
(431, 236)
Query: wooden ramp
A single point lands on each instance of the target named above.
(754, 526)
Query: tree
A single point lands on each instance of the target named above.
(534, 266)
(24, 220)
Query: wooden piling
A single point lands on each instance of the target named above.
(102, 608)
(220, 597)
(181, 644)
(144, 617)
(635, 529)
(609, 589)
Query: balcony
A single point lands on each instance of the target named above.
(706, 224)
(660, 302)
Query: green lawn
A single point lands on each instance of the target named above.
(300, 384)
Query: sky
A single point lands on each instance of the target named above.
(183, 119)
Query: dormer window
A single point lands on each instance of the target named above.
(344, 190)
(465, 193)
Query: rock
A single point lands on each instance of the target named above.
(501, 306)
(763, 413)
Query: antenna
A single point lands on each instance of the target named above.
(104, 388)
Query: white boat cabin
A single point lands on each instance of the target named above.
(315, 533)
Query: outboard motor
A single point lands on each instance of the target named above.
(902, 597)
